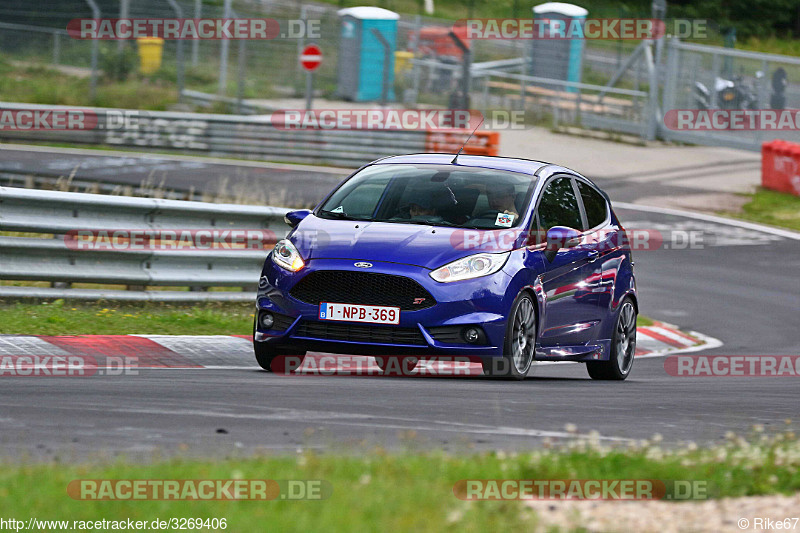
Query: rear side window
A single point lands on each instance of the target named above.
(594, 204)
(559, 206)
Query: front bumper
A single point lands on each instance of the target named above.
(479, 302)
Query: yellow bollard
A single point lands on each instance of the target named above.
(150, 51)
(402, 61)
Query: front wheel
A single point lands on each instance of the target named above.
(519, 347)
(266, 354)
(623, 347)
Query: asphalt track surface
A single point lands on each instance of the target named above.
(740, 286)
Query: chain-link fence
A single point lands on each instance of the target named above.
(622, 86)
(709, 78)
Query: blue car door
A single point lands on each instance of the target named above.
(572, 275)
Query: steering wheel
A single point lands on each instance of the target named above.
(489, 213)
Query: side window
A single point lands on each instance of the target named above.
(559, 206)
(593, 203)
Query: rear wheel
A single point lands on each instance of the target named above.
(519, 347)
(623, 347)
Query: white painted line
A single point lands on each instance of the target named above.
(671, 335)
(789, 234)
(708, 343)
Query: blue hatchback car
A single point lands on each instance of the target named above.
(501, 260)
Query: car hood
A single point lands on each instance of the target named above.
(410, 244)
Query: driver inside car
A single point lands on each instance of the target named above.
(423, 209)
(501, 199)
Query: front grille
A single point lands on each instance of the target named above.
(360, 333)
(364, 288)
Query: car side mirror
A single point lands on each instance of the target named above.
(562, 237)
(293, 218)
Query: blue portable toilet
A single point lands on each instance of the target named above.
(361, 55)
(560, 59)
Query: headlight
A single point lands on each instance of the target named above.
(285, 255)
(470, 267)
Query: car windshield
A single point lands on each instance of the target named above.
(435, 195)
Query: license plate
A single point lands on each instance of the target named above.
(373, 314)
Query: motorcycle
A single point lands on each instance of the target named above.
(735, 93)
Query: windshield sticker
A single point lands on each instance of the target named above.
(504, 220)
(339, 209)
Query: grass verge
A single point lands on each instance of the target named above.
(409, 491)
(113, 318)
(772, 208)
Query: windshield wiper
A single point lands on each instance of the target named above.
(418, 222)
(341, 215)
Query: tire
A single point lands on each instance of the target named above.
(406, 364)
(623, 347)
(266, 354)
(519, 346)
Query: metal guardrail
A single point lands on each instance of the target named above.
(242, 136)
(50, 259)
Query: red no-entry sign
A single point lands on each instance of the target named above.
(311, 58)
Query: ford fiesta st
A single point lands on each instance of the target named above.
(501, 260)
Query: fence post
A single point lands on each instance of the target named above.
(179, 52)
(198, 9)
(387, 59)
(653, 114)
(95, 50)
(670, 78)
(56, 47)
(223, 56)
(466, 73)
(412, 99)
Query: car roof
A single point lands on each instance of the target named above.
(513, 164)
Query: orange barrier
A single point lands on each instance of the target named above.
(780, 166)
(481, 143)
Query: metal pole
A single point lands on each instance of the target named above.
(93, 83)
(466, 68)
(198, 9)
(223, 55)
(56, 47)
(417, 69)
(124, 12)
(240, 72)
(301, 43)
(179, 52)
(309, 89)
(387, 59)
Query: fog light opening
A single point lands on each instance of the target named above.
(472, 335)
(266, 320)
